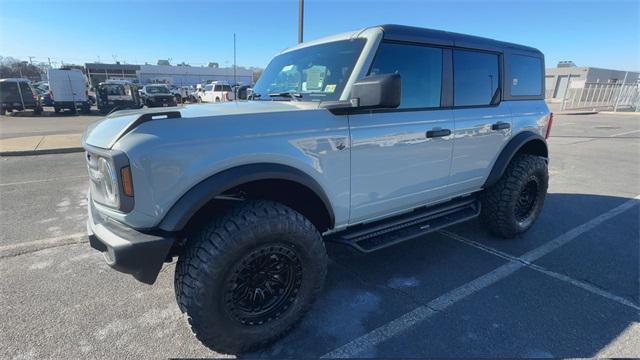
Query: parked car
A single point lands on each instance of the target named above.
(242, 92)
(18, 95)
(367, 139)
(158, 95)
(68, 89)
(44, 96)
(218, 91)
(117, 94)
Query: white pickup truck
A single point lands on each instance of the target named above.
(218, 91)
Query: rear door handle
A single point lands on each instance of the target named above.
(438, 133)
(500, 126)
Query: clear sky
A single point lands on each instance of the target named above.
(591, 33)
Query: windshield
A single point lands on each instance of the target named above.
(317, 73)
(112, 89)
(157, 90)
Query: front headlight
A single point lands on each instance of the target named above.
(108, 183)
(111, 179)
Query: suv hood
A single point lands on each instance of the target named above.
(105, 133)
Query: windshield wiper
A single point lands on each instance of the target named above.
(293, 95)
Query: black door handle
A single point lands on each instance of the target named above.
(500, 126)
(438, 133)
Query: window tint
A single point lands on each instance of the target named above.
(208, 87)
(9, 91)
(26, 90)
(526, 76)
(217, 88)
(476, 77)
(226, 87)
(420, 69)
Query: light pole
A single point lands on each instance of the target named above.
(300, 19)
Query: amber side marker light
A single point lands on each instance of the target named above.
(127, 184)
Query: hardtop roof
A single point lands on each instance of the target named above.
(446, 38)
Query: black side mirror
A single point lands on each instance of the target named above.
(377, 91)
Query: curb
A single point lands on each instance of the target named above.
(576, 113)
(42, 152)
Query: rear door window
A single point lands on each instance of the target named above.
(526, 76)
(476, 77)
(9, 91)
(26, 91)
(218, 88)
(420, 69)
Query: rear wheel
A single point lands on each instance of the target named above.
(513, 204)
(217, 99)
(2, 110)
(56, 109)
(248, 277)
(37, 111)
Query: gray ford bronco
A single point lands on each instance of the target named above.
(366, 138)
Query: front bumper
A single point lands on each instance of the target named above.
(161, 101)
(126, 249)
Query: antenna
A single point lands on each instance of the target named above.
(235, 82)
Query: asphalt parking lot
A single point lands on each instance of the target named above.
(568, 288)
(24, 123)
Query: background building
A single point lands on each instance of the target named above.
(191, 75)
(98, 72)
(557, 79)
(571, 87)
(175, 75)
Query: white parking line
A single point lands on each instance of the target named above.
(421, 313)
(624, 133)
(45, 180)
(581, 284)
(16, 249)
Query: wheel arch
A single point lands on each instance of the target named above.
(278, 182)
(526, 142)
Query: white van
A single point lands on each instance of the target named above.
(68, 89)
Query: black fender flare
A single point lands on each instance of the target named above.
(203, 192)
(510, 150)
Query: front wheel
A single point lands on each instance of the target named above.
(513, 204)
(247, 278)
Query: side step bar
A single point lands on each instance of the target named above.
(381, 234)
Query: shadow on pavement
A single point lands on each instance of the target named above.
(527, 314)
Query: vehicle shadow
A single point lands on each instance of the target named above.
(366, 291)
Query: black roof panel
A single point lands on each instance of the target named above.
(445, 38)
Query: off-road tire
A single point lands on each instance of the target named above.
(500, 202)
(215, 252)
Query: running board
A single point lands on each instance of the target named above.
(381, 234)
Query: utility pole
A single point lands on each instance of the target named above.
(49, 62)
(234, 60)
(31, 62)
(300, 19)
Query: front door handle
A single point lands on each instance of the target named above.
(500, 126)
(438, 133)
